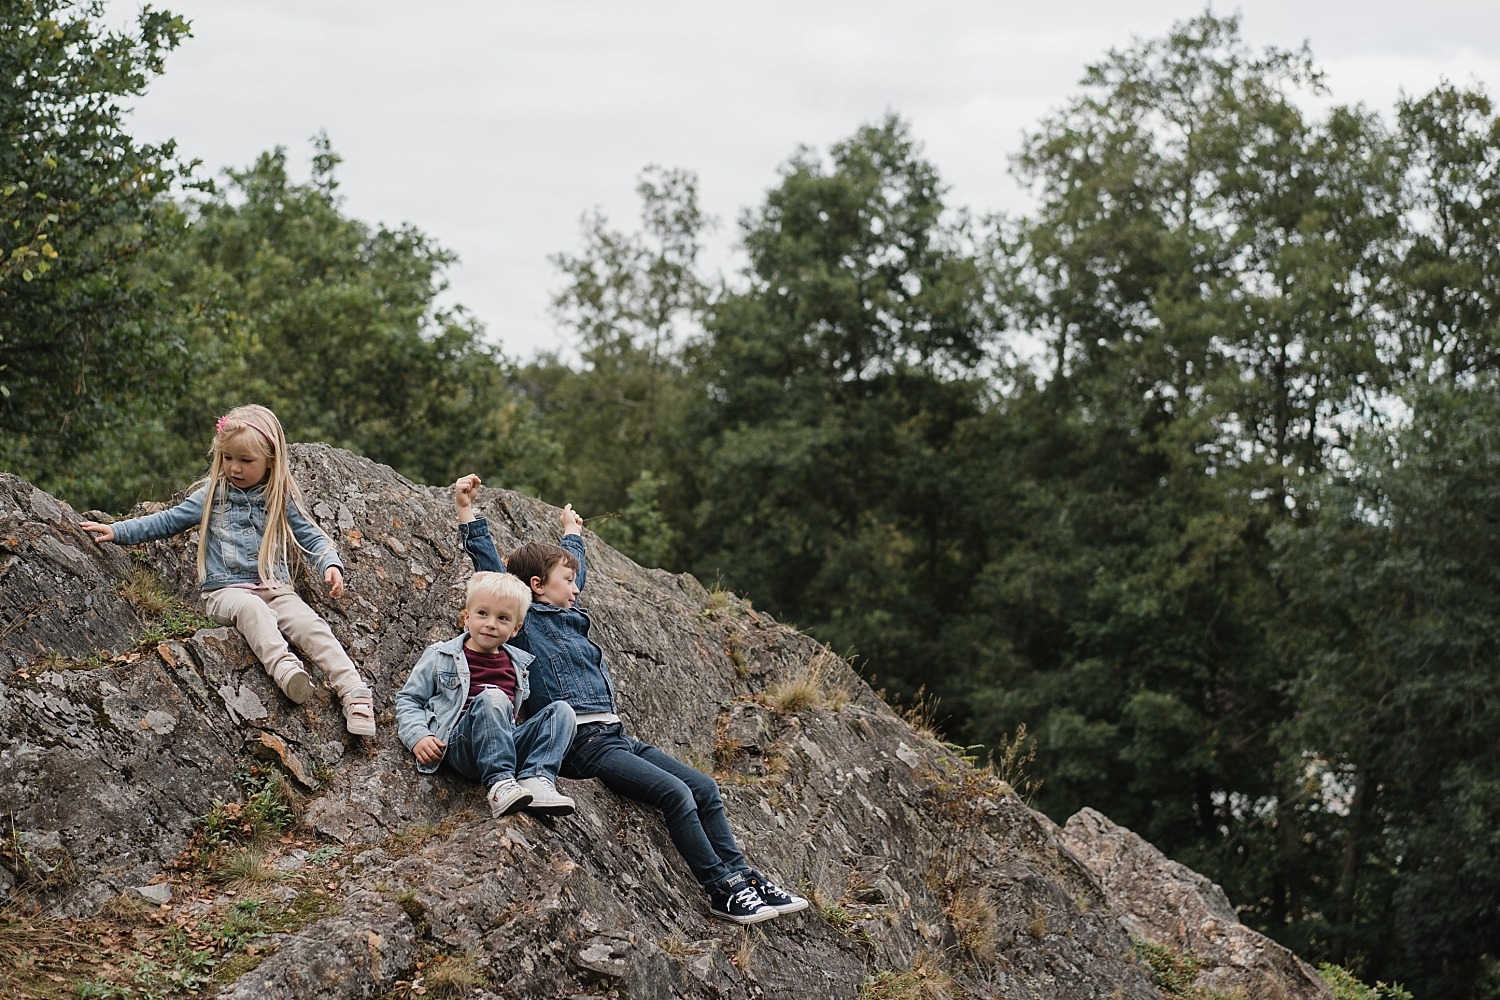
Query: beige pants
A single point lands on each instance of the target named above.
(262, 615)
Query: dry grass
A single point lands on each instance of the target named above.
(34, 954)
(813, 686)
(245, 867)
(148, 593)
(454, 976)
(744, 952)
(1011, 763)
(925, 980)
(921, 714)
(973, 920)
(720, 602)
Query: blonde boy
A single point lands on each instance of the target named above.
(463, 698)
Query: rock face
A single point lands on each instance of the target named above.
(114, 747)
(1170, 904)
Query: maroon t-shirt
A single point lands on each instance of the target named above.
(490, 670)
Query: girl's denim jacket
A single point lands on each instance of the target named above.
(568, 665)
(432, 699)
(235, 531)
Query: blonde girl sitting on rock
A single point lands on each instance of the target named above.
(251, 525)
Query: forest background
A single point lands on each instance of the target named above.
(1190, 472)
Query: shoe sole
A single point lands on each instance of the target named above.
(299, 687)
(522, 801)
(796, 907)
(754, 918)
(552, 808)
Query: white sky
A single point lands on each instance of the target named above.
(493, 125)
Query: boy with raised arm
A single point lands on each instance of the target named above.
(569, 666)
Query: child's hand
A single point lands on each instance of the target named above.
(465, 492)
(572, 524)
(429, 750)
(334, 577)
(101, 533)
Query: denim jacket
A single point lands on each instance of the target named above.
(235, 531)
(569, 666)
(432, 699)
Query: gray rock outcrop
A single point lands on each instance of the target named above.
(116, 742)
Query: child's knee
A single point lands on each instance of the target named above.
(493, 703)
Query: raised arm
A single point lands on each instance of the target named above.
(474, 531)
(572, 540)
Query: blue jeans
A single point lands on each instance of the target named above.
(689, 800)
(487, 745)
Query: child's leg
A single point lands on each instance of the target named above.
(711, 814)
(482, 746)
(312, 635)
(543, 740)
(613, 758)
(248, 612)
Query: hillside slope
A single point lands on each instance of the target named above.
(129, 759)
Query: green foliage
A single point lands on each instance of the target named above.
(1175, 973)
(84, 329)
(1345, 986)
(820, 484)
(1397, 645)
(628, 299)
(335, 326)
(269, 808)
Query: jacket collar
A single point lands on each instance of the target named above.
(455, 647)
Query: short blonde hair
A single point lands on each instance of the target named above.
(499, 586)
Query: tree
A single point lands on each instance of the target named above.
(333, 324)
(1200, 273)
(84, 329)
(1446, 289)
(1397, 637)
(831, 386)
(630, 300)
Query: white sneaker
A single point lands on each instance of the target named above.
(545, 798)
(506, 797)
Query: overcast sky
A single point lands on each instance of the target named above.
(493, 126)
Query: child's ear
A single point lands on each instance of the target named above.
(536, 585)
(463, 618)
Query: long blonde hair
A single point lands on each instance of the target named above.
(256, 428)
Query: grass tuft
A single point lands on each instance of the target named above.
(813, 686)
(925, 980)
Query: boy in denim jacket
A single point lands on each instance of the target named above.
(463, 697)
(569, 666)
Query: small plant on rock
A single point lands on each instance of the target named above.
(973, 920)
(1175, 973)
(1344, 985)
(810, 687)
(925, 980)
(454, 976)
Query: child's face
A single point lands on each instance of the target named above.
(244, 464)
(558, 590)
(491, 622)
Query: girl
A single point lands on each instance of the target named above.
(248, 530)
